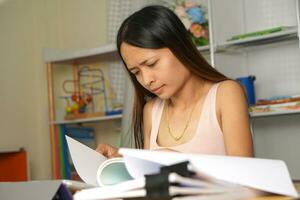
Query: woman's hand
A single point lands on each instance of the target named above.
(108, 151)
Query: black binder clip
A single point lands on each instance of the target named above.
(157, 185)
(180, 168)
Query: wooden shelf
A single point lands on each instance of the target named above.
(86, 120)
(290, 34)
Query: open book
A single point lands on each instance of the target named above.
(94, 168)
(218, 175)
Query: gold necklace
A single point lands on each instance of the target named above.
(186, 124)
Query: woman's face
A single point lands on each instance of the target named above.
(157, 70)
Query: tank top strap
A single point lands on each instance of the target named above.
(157, 111)
(213, 94)
(212, 101)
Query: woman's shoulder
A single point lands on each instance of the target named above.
(230, 92)
(230, 87)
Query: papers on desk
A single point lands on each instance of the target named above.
(179, 187)
(263, 174)
(218, 176)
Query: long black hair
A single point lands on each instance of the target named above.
(156, 27)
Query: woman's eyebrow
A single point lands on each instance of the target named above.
(140, 63)
(145, 61)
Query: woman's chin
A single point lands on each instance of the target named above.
(163, 96)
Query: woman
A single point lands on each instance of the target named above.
(181, 102)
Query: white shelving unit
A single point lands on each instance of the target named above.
(262, 56)
(274, 60)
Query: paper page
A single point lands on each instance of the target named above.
(263, 174)
(108, 192)
(100, 195)
(112, 171)
(137, 168)
(86, 160)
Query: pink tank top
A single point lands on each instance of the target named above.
(208, 138)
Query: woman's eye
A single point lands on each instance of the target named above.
(136, 73)
(152, 64)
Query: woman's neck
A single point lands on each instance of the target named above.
(189, 94)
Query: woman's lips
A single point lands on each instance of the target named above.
(157, 90)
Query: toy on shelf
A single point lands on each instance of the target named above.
(88, 97)
(277, 104)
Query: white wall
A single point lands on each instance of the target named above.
(26, 28)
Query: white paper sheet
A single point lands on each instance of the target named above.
(85, 160)
(263, 174)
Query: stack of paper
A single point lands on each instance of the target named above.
(216, 177)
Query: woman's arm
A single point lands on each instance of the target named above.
(110, 151)
(234, 118)
(147, 117)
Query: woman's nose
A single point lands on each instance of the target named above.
(148, 77)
